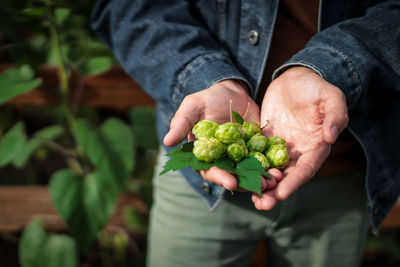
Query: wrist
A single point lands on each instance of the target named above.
(236, 85)
(298, 69)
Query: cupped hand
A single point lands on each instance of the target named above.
(212, 104)
(309, 113)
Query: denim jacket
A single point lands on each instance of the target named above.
(175, 48)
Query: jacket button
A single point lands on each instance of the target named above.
(253, 37)
(206, 188)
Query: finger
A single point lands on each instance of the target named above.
(220, 177)
(264, 202)
(182, 123)
(271, 182)
(304, 169)
(276, 173)
(264, 183)
(336, 117)
(191, 137)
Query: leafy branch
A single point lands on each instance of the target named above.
(248, 171)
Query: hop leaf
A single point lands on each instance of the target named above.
(249, 172)
(182, 157)
(237, 117)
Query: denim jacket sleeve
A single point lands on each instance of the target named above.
(355, 52)
(361, 56)
(162, 50)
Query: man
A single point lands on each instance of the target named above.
(194, 57)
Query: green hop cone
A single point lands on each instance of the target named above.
(237, 151)
(208, 149)
(229, 132)
(275, 140)
(277, 156)
(205, 128)
(257, 142)
(261, 158)
(241, 141)
(250, 129)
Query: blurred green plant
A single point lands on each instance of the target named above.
(100, 158)
(37, 248)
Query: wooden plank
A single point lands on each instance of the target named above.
(392, 220)
(19, 205)
(112, 89)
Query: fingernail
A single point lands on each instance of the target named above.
(280, 194)
(226, 185)
(166, 137)
(229, 185)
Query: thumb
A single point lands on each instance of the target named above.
(182, 123)
(336, 116)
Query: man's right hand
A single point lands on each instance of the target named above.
(212, 104)
(309, 113)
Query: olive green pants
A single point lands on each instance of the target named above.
(323, 224)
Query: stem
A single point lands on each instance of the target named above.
(265, 125)
(55, 41)
(247, 110)
(56, 147)
(230, 110)
(64, 88)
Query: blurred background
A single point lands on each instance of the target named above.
(78, 145)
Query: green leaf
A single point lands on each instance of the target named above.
(11, 143)
(225, 164)
(60, 251)
(50, 132)
(85, 203)
(238, 118)
(36, 12)
(16, 81)
(25, 152)
(200, 165)
(251, 164)
(61, 14)
(249, 172)
(250, 180)
(30, 246)
(37, 248)
(120, 137)
(98, 65)
(101, 152)
(187, 147)
(179, 161)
